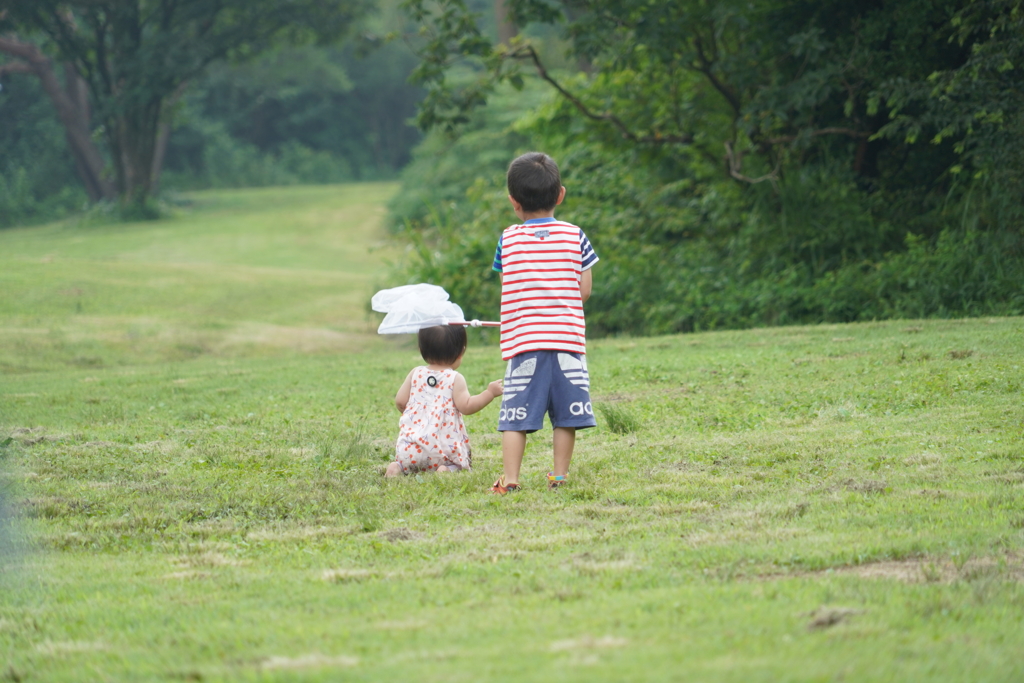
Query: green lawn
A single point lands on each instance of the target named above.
(195, 414)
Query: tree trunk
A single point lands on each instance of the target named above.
(506, 29)
(71, 105)
(78, 94)
(163, 135)
(159, 154)
(133, 142)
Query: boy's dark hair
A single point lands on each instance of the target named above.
(442, 344)
(533, 181)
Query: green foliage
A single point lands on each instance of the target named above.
(313, 114)
(452, 205)
(819, 210)
(37, 174)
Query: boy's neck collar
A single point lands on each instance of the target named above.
(538, 219)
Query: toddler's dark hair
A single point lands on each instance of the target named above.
(442, 344)
(533, 181)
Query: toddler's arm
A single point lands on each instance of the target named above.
(466, 404)
(402, 397)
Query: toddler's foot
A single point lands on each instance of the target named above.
(393, 470)
(501, 488)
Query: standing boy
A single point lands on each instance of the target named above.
(544, 265)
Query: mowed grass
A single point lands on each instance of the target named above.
(195, 415)
(237, 273)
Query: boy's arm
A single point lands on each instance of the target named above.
(586, 284)
(466, 404)
(402, 397)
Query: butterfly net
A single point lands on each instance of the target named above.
(412, 307)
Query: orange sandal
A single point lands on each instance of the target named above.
(501, 488)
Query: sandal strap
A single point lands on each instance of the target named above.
(500, 487)
(557, 477)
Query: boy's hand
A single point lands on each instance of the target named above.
(496, 388)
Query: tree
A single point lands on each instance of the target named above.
(755, 161)
(750, 85)
(71, 103)
(133, 57)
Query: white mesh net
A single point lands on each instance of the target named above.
(412, 307)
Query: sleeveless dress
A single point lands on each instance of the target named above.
(431, 432)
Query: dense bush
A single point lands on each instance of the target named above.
(752, 165)
(681, 251)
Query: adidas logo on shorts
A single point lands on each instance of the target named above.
(520, 378)
(575, 370)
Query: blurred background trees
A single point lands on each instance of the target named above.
(735, 162)
(226, 93)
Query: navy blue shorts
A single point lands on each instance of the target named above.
(552, 382)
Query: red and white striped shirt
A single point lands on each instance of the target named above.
(541, 308)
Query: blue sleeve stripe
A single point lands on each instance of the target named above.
(587, 252)
(497, 257)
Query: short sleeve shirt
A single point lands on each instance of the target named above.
(541, 262)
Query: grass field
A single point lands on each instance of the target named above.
(195, 413)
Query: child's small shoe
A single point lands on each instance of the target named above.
(555, 481)
(501, 488)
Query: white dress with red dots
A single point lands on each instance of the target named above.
(431, 432)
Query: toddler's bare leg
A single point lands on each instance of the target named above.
(443, 468)
(513, 445)
(564, 441)
(393, 470)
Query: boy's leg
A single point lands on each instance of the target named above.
(513, 446)
(570, 409)
(564, 442)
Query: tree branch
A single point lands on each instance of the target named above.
(527, 52)
(78, 134)
(736, 168)
(15, 68)
(705, 68)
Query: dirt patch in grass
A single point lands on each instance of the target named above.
(589, 643)
(69, 647)
(309, 661)
(343, 575)
(401, 534)
(925, 570)
(187, 575)
(30, 436)
(283, 535)
(589, 567)
(937, 571)
(826, 617)
(860, 486)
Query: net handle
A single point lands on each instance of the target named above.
(476, 323)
